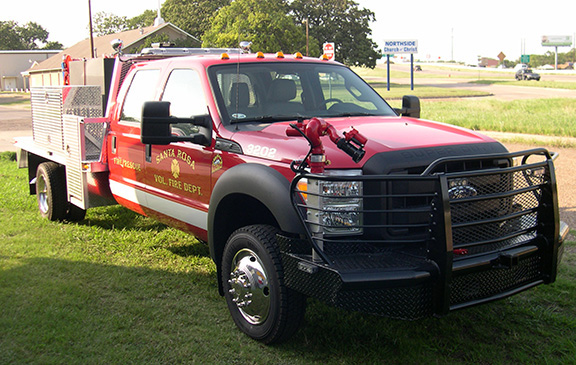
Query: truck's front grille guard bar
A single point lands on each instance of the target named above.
(527, 218)
(302, 208)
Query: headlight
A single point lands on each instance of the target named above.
(337, 207)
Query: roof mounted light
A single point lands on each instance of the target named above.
(279, 54)
(245, 46)
(325, 57)
(224, 56)
(298, 56)
(260, 55)
(163, 45)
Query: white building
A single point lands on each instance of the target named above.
(13, 63)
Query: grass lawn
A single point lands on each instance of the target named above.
(424, 92)
(553, 117)
(121, 288)
(531, 83)
(14, 98)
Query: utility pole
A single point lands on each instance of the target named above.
(452, 54)
(91, 36)
(305, 21)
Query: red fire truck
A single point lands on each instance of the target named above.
(302, 180)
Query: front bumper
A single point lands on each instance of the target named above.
(439, 254)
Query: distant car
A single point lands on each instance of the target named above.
(527, 74)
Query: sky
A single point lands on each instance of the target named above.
(444, 29)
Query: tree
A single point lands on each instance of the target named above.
(14, 36)
(53, 45)
(143, 20)
(192, 16)
(341, 22)
(9, 38)
(263, 22)
(107, 23)
(32, 33)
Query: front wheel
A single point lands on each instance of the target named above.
(260, 303)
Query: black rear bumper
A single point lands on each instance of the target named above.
(477, 248)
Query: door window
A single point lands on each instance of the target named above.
(185, 94)
(142, 89)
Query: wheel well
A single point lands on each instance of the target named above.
(33, 162)
(236, 211)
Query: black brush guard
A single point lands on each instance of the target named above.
(433, 242)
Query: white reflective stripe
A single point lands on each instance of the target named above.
(128, 192)
(181, 212)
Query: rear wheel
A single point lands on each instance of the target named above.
(260, 303)
(51, 194)
(51, 191)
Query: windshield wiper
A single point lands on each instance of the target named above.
(266, 119)
(354, 114)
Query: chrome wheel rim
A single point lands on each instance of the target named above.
(249, 286)
(42, 193)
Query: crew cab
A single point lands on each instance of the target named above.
(303, 181)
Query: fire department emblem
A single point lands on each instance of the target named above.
(216, 163)
(175, 168)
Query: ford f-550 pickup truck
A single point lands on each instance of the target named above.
(302, 180)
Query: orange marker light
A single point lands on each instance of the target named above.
(224, 56)
(303, 188)
(279, 54)
(260, 55)
(298, 56)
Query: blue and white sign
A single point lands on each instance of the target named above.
(399, 46)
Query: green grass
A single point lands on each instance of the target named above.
(120, 288)
(424, 92)
(551, 117)
(14, 98)
(439, 73)
(531, 83)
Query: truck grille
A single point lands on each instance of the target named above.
(476, 212)
(496, 210)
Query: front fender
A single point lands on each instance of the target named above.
(261, 183)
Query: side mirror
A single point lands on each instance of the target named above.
(410, 106)
(156, 127)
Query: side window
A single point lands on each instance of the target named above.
(142, 89)
(185, 94)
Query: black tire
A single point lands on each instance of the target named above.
(51, 191)
(260, 303)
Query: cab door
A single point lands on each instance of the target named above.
(126, 158)
(178, 175)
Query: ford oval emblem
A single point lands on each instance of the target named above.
(461, 192)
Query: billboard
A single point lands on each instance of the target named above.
(556, 40)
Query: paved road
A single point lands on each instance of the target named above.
(14, 122)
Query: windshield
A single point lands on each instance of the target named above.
(285, 91)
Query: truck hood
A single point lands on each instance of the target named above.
(384, 134)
